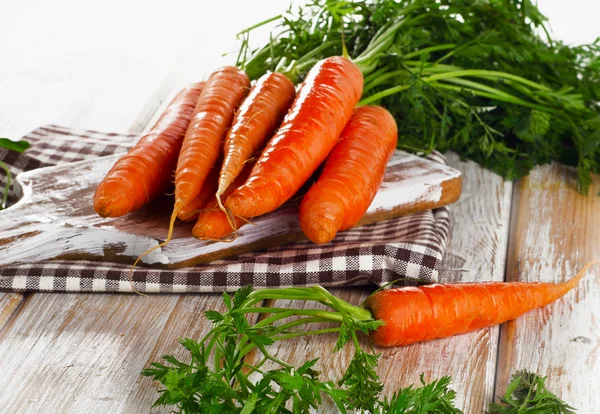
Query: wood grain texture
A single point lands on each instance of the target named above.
(84, 353)
(553, 234)
(78, 353)
(55, 217)
(475, 252)
(186, 320)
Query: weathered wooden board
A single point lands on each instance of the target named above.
(553, 234)
(79, 353)
(55, 218)
(476, 252)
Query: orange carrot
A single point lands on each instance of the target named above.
(203, 141)
(414, 314)
(146, 170)
(213, 223)
(191, 210)
(351, 176)
(308, 133)
(256, 120)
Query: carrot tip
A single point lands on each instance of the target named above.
(199, 233)
(320, 232)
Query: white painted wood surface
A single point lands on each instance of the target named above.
(554, 233)
(55, 218)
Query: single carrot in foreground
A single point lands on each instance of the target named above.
(415, 314)
(351, 176)
(145, 172)
(406, 315)
(254, 123)
(306, 136)
(213, 223)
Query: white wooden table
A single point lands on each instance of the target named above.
(111, 67)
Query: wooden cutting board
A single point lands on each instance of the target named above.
(55, 218)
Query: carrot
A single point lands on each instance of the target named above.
(351, 176)
(191, 210)
(307, 134)
(256, 120)
(146, 170)
(415, 314)
(203, 141)
(215, 224)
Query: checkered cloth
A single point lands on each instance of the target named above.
(407, 247)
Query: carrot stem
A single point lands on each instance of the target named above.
(257, 25)
(306, 333)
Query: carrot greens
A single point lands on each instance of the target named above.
(527, 393)
(482, 78)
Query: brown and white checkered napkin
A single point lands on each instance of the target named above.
(407, 247)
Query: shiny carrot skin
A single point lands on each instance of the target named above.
(306, 136)
(213, 223)
(191, 210)
(351, 176)
(204, 137)
(415, 314)
(257, 118)
(146, 171)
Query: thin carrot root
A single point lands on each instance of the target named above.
(227, 212)
(176, 210)
(574, 281)
(244, 219)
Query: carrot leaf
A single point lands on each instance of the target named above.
(362, 381)
(527, 393)
(435, 397)
(18, 146)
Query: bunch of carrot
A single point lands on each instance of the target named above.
(211, 132)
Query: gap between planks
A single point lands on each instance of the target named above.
(554, 232)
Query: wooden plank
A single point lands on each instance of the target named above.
(553, 234)
(55, 217)
(76, 353)
(476, 251)
(9, 302)
(186, 320)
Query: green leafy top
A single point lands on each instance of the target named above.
(473, 76)
(527, 393)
